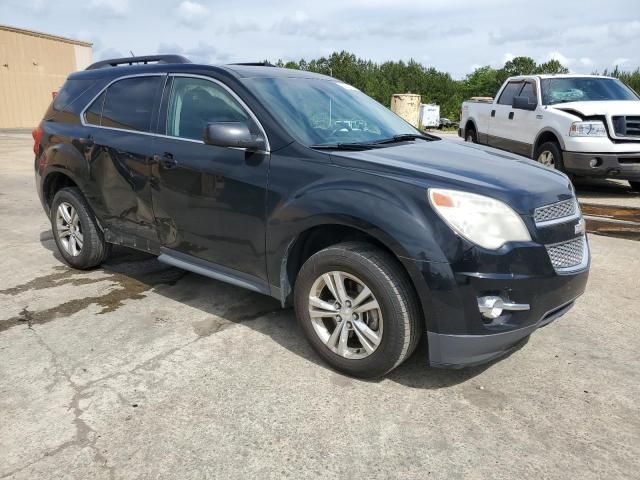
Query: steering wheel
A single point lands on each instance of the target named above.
(344, 128)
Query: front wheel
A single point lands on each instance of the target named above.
(357, 309)
(549, 154)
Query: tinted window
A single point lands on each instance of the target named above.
(129, 103)
(584, 89)
(92, 115)
(511, 90)
(194, 102)
(69, 92)
(529, 90)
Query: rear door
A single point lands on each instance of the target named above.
(119, 151)
(209, 201)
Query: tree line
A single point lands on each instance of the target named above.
(382, 80)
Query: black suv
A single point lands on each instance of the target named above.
(301, 187)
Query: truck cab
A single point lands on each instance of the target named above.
(584, 125)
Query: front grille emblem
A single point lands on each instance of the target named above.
(580, 227)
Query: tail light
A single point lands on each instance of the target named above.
(36, 133)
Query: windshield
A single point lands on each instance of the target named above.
(324, 112)
(584, 89)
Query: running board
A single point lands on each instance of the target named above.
(212, 270)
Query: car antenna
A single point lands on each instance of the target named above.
(131, 52)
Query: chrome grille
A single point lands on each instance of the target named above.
(555, 211)
(628, 126)
(568, 255)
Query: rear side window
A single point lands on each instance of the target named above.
(511, 90)
(128, 104)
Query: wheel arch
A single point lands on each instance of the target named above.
(547, 135)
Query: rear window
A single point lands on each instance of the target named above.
(70, 91)
(128, 104)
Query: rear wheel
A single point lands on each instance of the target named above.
(470, 135)
(357, 309)
(76, 231)
(635, 186)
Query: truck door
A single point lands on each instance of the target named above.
(209, 201)
(501, 126)
(526, 123)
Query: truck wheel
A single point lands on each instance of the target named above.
(635, 186)
(75, 230)
(550, 155)
(358, 309)
(470, 135)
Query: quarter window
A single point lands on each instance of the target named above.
(511, 90)
(93, 113)
(128, 104)
(195, 102)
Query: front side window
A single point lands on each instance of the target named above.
(195, 102)
(128, 103)
(529, 90)
(584, 89)
(510, 91)
(325, 112)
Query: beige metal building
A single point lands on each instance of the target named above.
(33, 65)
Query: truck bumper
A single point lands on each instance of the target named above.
(615, 165)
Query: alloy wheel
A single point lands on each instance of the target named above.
(345, 315)
(546, 158)
(69, 229)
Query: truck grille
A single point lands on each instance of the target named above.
(628, 126)
(571, 255)
(555, 212)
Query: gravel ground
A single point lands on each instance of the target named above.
(140, 370)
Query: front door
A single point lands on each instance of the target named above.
(501, 124)
(209, 201)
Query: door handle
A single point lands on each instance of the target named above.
(493, 113)
(510, 115)
(166, 161)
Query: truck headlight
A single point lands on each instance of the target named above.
(482, 220)
(587, 129)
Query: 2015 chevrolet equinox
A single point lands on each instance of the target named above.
(301, 187)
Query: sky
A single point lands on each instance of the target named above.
(451, 35)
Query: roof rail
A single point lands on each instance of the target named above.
(114, 62)
(254, 64)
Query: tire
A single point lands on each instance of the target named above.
(635, 186)
(396, 323)
(77, 234)
(550, 155)
(470, 135)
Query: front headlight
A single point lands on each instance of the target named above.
(482, 220)
(587, 129)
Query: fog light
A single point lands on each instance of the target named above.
(595, 162)
(492, 306)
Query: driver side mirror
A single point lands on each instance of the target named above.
(233, 134)
(522, 103)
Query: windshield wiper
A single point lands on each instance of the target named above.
(404, 137)
(345, 146)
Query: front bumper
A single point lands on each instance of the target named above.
(617, 165)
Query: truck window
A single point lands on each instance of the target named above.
(511, 90)
(194, 102)
(129, 103)
(529, 90)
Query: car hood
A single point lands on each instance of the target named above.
(590, 109)
(517, 181)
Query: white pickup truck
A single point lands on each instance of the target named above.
(584, 125)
